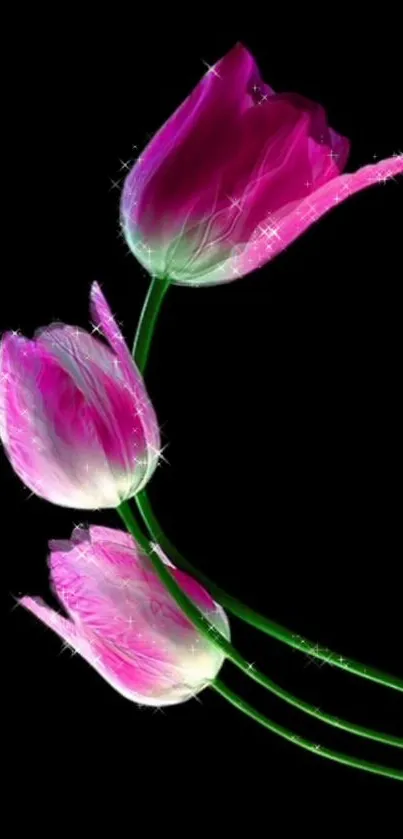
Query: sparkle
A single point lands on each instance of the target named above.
(264, 98)
(235, 202)
(317, 655)
(148, 250)
(310, 208)
(114, 185)
(159, 453)
(388, 176)
(196, 697)
(333, 155)
(95, 329)
(211, 69)
(159, 710)
(125, 164)
(312, 654)
(271, 231)
(346, 186)
(97, 659)
(67, 646)
(326, 659)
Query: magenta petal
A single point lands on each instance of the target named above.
(109, 534)
(62, 626)
(212, 108)
(39, 452)
(145, 411)
(229, 180)
(124, 622)
(67, 446)
(281, 228)
(133, 683)
(75, 417)
(121, 417)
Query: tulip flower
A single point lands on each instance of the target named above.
(234, 176)
(75, 418)
(122, 620)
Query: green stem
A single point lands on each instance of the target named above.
(148, 319)
(317, 749)
(269, 627)
(142, 343)
(209, 631)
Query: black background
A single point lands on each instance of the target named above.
(278, 398)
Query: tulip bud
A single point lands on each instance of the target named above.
(75, 418)
(234, 176)
(123, 621)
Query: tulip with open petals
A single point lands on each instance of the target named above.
(235, 175)
(123, 621)
(75, 418)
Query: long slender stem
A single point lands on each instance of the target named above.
(148, 319)
(269, 627)
(142, 343)
(207, 629)
(316, 748)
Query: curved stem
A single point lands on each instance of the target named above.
(317, 749)
(206, 628)
(148, 319)
(141, 347)
(269, 627)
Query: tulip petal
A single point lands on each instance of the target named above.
(132, 682)
(133, 625)
(110, 534)
(39, 453)
(63, 627)
(102, 314)
(124, 622)
(230, 180)
(281, 227)
(119, 413)
(59, 443)
(279, 230)
(206, 119)
(113, 591)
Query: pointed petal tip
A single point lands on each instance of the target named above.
(96, 292)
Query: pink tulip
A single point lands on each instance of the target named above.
(75, 418)
(235, 175)
(123, 621)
